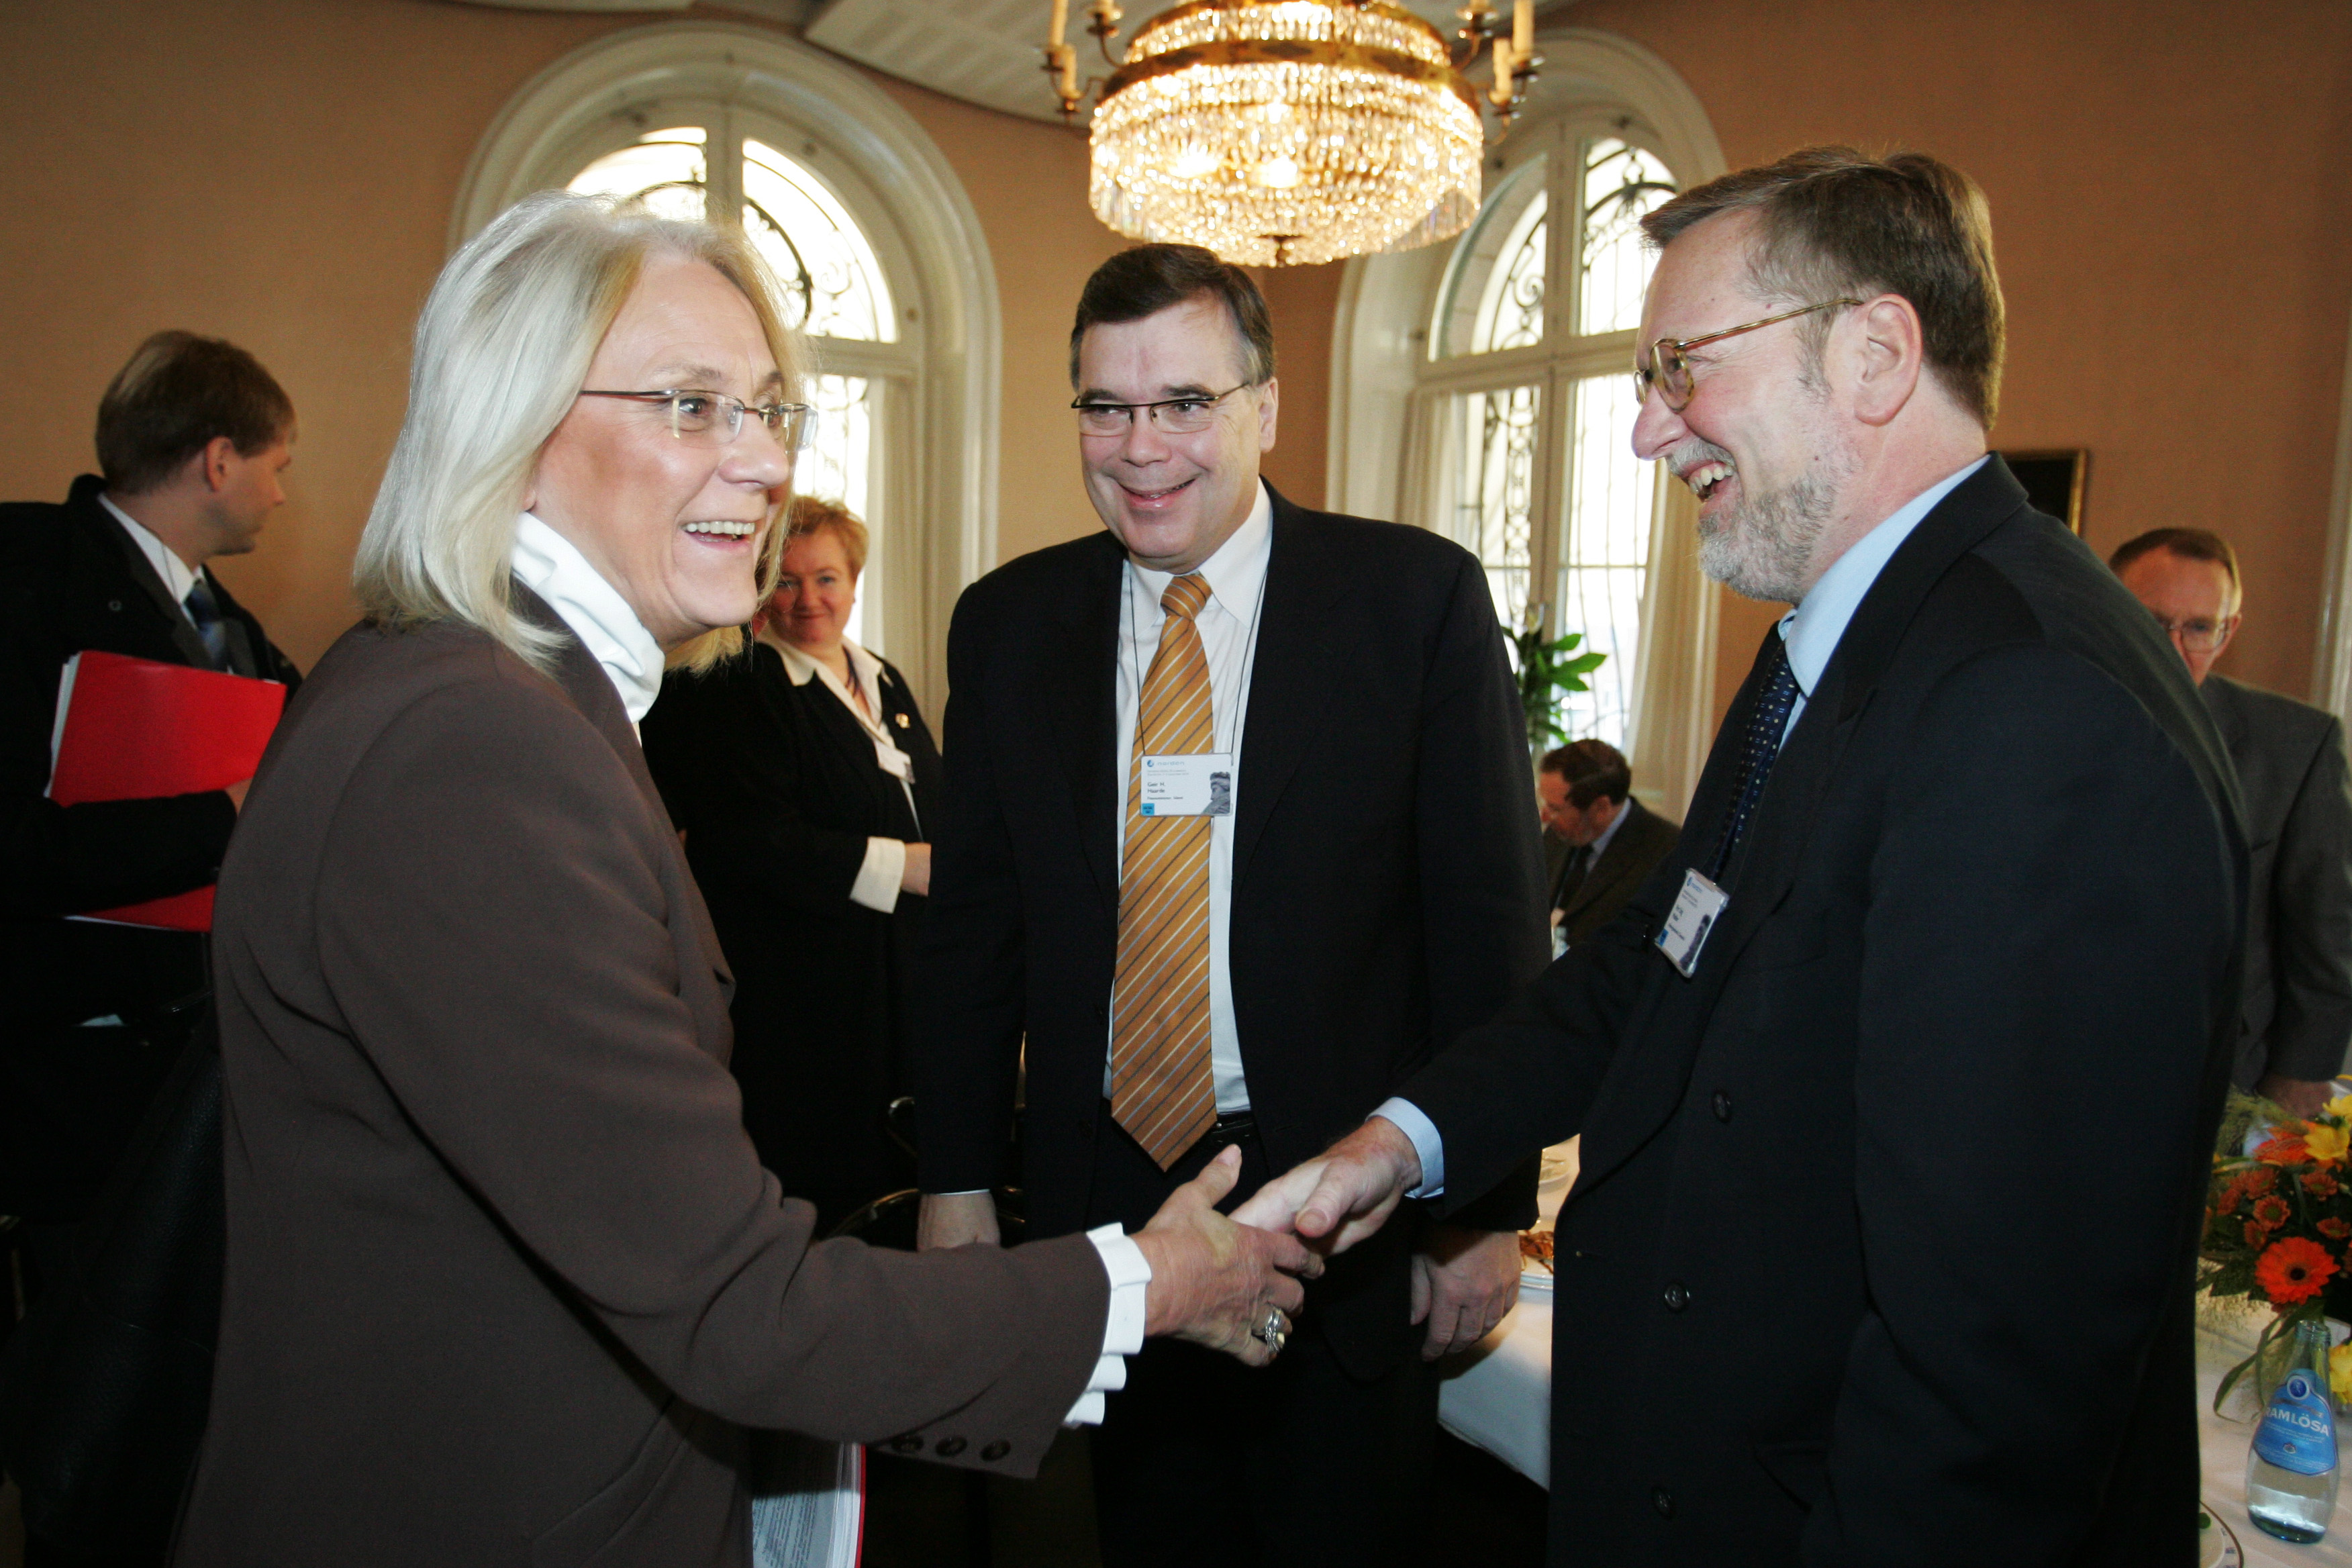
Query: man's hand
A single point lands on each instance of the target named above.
(1214, 1283)
(1345, 1194)
(955, 1219)
(2301, 1095)
(916, 876)
(1464, 1282)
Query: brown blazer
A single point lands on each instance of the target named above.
(505, 1280)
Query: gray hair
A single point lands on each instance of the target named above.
(502, 348)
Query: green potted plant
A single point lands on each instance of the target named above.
(1547, 670)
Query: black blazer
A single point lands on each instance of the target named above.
(1387, 886)
(1640, 841)
(777, 789)
(1882, 1248)
(70, 580)
(2291, 779)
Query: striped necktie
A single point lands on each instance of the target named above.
(1765, 727)
(204, 615)
(1162, 1088)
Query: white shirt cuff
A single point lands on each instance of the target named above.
(1122, 1328)
(877, 887)
(1408, 1119)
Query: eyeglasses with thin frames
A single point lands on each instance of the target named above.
(715, 419)
(1669, 373)
(1170, 416)
(2199, 634)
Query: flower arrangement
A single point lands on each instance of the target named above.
(2277, 1224)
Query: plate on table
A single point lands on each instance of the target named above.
(1535, 1259)
(2217, 1544)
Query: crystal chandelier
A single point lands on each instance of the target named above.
(1280, 132)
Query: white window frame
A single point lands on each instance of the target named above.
(1386, 389)
(939, 382)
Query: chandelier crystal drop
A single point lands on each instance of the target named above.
(1287, 131)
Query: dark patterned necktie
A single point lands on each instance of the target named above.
(204, 612)
(1762, 746)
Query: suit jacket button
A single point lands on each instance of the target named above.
(1677, 1295)
(907, 1444)
(949, 1447)
(1664, 1501)
(997, 1450)
(115, 605)
(1722, 1106)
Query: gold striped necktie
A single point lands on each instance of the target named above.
(1162, 1088)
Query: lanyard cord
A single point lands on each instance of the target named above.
(1230, 720)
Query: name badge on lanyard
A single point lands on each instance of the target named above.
(1694, 915)
(894, 761)
(1187, 784)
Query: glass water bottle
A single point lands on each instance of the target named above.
(2291, 1473)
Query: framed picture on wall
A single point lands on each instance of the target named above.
(2054, 481)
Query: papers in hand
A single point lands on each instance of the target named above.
(808, 1503)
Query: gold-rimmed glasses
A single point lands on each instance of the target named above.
(1669, 372)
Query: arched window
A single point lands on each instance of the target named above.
(883, 260)
(1528, 338)
(835, 292)
(1481, 390)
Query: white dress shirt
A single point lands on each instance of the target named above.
(1228, 629)
(1811, 634)
(552, 567)
(878, 876)
(177, 575)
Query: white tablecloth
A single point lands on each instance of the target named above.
(1499, 1397)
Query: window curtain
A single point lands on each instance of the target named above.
(1673, 720)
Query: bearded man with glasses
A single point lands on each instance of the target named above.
(2297, 1014)
(1963, 878)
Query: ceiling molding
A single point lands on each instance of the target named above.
(988, 52)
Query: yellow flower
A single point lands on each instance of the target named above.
(2339, 1371)
(2325, 1145)
(2339, 1107)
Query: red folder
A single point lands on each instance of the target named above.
(130, 729)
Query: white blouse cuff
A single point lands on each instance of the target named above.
(1123, 1329)
(877, 887)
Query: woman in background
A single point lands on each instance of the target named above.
(801, 774)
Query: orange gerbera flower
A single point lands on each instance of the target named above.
(2272, 1212)
(2294, 1269)
(2335, 1229)
(2282, 1148)
(2321, 1185)
(2255, 1235)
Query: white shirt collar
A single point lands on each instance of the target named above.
(552, 567)
(177, 575)
(1812, 631)
(1237, 572)
(803, 668)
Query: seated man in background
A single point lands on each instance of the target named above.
(2297, 1015)
(193, 434)
(1599, 841)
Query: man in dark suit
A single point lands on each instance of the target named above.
(1608, 840)
(2297, 1014)
(193, 434)
(1159, 743)
(1899, 1080)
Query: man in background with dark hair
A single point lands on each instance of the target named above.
(1235, 834)
(1607, 841)
(1952, 929)
(192, 436)
(2297, 1018)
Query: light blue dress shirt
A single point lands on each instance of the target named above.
(1811, 633)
